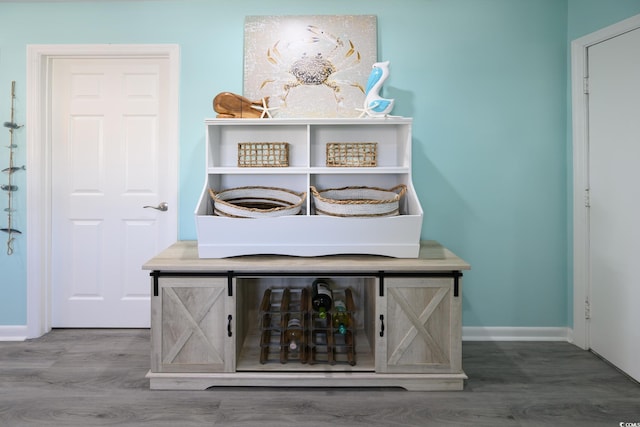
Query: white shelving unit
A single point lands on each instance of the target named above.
(309, 234)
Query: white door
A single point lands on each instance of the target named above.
(614, 187)
(110, 158)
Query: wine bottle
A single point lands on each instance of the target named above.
(294, 332)
(321, 298)
(340, 316)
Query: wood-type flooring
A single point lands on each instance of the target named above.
(96, 377)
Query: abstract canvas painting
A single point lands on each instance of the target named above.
(309, 66)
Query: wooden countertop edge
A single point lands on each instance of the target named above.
(183, 256)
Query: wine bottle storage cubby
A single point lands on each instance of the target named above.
(276, 309)
(326, 343)
(321, 341)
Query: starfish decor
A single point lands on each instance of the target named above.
(266, 110)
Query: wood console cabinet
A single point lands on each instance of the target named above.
(205, 311)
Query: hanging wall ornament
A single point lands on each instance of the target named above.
(10, 188)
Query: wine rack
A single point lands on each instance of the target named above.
(322, 342)
(326, 343)
(276, 308)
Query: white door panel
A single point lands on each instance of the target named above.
(110, 158)
(614, 156)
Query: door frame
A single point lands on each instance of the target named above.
(38, 143)
(580, 118)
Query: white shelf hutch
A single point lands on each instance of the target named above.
(309, 234)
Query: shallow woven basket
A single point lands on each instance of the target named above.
(352, 154)
(358, 201)
(263, 154)
(256, 202)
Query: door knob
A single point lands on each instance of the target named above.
(163, 207)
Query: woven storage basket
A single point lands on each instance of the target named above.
(256, 202)
(358, 201)
(263, 154)
(352, 154)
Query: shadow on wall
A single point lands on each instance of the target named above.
(403, 101)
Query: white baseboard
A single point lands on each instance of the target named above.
(500, 333)
(469, 333)
(13, 333)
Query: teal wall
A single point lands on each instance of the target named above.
(485, 80)
(587, 16)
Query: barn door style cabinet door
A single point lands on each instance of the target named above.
(208, 321)
(422, 329)
(192, 321)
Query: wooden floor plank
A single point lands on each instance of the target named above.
(96, 377)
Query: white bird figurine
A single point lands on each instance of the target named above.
(374, 104)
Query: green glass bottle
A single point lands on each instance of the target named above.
(322, 297)
(340, 316)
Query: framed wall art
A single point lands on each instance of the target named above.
(309, 66)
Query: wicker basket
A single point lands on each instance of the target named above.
(263, 154)
(256, 202)
(358, 201)
(352, 154)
